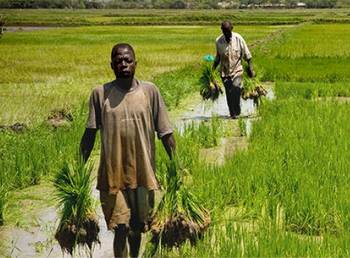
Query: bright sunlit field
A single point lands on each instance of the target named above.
(286, 194)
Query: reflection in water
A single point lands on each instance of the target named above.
(206, 110)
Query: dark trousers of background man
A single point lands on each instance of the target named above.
(233, 94)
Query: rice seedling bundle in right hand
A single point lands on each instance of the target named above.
(210, 82)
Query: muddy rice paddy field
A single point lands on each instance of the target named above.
(275, 181)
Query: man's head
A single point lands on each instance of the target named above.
(226, 28)
(123, 60)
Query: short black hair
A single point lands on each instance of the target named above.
(121, 45)
(226, 23)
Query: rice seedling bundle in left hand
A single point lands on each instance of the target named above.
(179, 216)
(210, 86)
(78, 224)
(253, 89)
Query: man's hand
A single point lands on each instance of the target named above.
(87, 143)
(169, 144)
(216, 61)
(250, 70)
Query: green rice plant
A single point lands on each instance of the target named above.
(300, 56)
(78, 223)
(177, 85)
(235, 239)
(165, 56)
(195, 136)
(179, 216)
(252, 87)
(75, 17)
(3, 201)
(209, 133)
(242, 126)
(205, 134)
(210, 82)
(309, 90)
(301, 69)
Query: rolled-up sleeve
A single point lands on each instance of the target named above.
(160, 115)
(245, 50)
(94, 117)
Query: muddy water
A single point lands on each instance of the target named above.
(206, 110)
(38, 241)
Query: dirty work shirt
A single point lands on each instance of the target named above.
(128, 121)
(231, 54)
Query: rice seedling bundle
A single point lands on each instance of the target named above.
(179, 216)
(253, 89)
(210, 87)
(78, 225)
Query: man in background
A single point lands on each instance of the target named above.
(231, 49)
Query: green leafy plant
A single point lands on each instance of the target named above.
(253, 89)
(210, 88)
(78, 224)
(3, 201)
(180, 216)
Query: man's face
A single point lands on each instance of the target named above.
(227, 31)
(124, 63)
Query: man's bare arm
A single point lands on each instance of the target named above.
(87, 143)
(169, 144)
(216, 61)
(250, 71)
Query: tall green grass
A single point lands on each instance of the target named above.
(35, 154)
(309, 53)
(285, 195)
(310, 90)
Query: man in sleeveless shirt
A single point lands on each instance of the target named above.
(127, 112)
(230, 50)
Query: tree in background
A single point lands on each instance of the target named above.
(179, 4)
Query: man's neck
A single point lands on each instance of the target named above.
(125, 83)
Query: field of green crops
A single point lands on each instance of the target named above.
(286, 195)
(170, 17)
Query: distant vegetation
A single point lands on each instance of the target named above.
(93, 17)
(173, 4)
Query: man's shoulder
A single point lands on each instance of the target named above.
(102, 89)
(220, 39)
(148, 86)
(237, 35)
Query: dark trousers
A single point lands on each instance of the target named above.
(233, 94)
